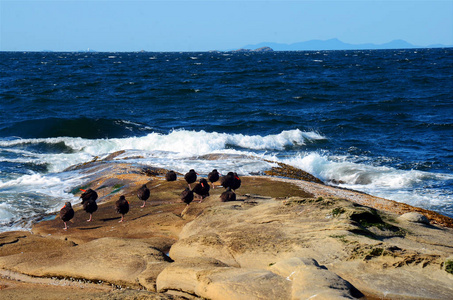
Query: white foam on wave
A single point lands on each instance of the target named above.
(182, 150)
(408, 186)
(5, 212)
(30, 196)
(34, 193)
(51, 185)
(33, 179)
(184, 143)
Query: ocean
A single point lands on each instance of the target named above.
(377, 121)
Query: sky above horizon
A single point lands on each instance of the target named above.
(172, 25)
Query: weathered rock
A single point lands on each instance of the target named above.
(281, 239)
(337, 233)
(212, 279)
(414, 217)
(114, 260)
(311, 281)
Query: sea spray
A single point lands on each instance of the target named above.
(408, 186)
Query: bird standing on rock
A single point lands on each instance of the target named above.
(213, 177)
(122, 207)
(170, 176)
(143, 194)
(89, 202)
(66, 213)
(187, 198)
(191, 177)
(202, 189)
(236, 182)
(90, 206)
(88, 195)
(227, 180)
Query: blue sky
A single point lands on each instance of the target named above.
(216, 25)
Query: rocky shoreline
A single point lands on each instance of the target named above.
(282, 239)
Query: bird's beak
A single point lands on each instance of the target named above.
(83, 190)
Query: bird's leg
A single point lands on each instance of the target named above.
(184, 210)
(122, 217)
(65, 226)
(89, 220)
(144, 203)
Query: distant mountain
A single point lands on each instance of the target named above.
(336, 44)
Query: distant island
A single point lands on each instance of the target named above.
(261, 49)
(334, 44)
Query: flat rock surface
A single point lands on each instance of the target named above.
(281, 239)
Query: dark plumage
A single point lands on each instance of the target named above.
(202, 189)
(187, 198)
(66, 213)
(227, 180)
(228, 195)
(90, 206)
(88, 195)
(213, 177)
(171, 176)
(143, 194)
(191, 177)
(122, 207)
(89, 202)
(236, 182)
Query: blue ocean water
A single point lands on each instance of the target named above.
(378, 121)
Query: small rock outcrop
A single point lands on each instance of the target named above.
(415, 217)
(262, 49)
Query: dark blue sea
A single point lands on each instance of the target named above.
(378, 121)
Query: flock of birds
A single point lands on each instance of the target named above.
(231, 182)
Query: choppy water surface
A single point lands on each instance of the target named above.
(379, 121)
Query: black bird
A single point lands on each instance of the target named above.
(227, 180)
(187, 198)
(122, 207)
(228, 195)
(90, 206)
(236, 182)
(191, 177)
(88, 195)
(171, 176)
(202, 189)
(89, 202)
(213, 177)
(143, 194)
(66, 213)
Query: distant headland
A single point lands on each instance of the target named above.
(333, 44)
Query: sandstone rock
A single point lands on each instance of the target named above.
(271, 235)
(311, 281)
(212, 279)
(281, 239)
(414, 217)
(113, 260)
(203, 245)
